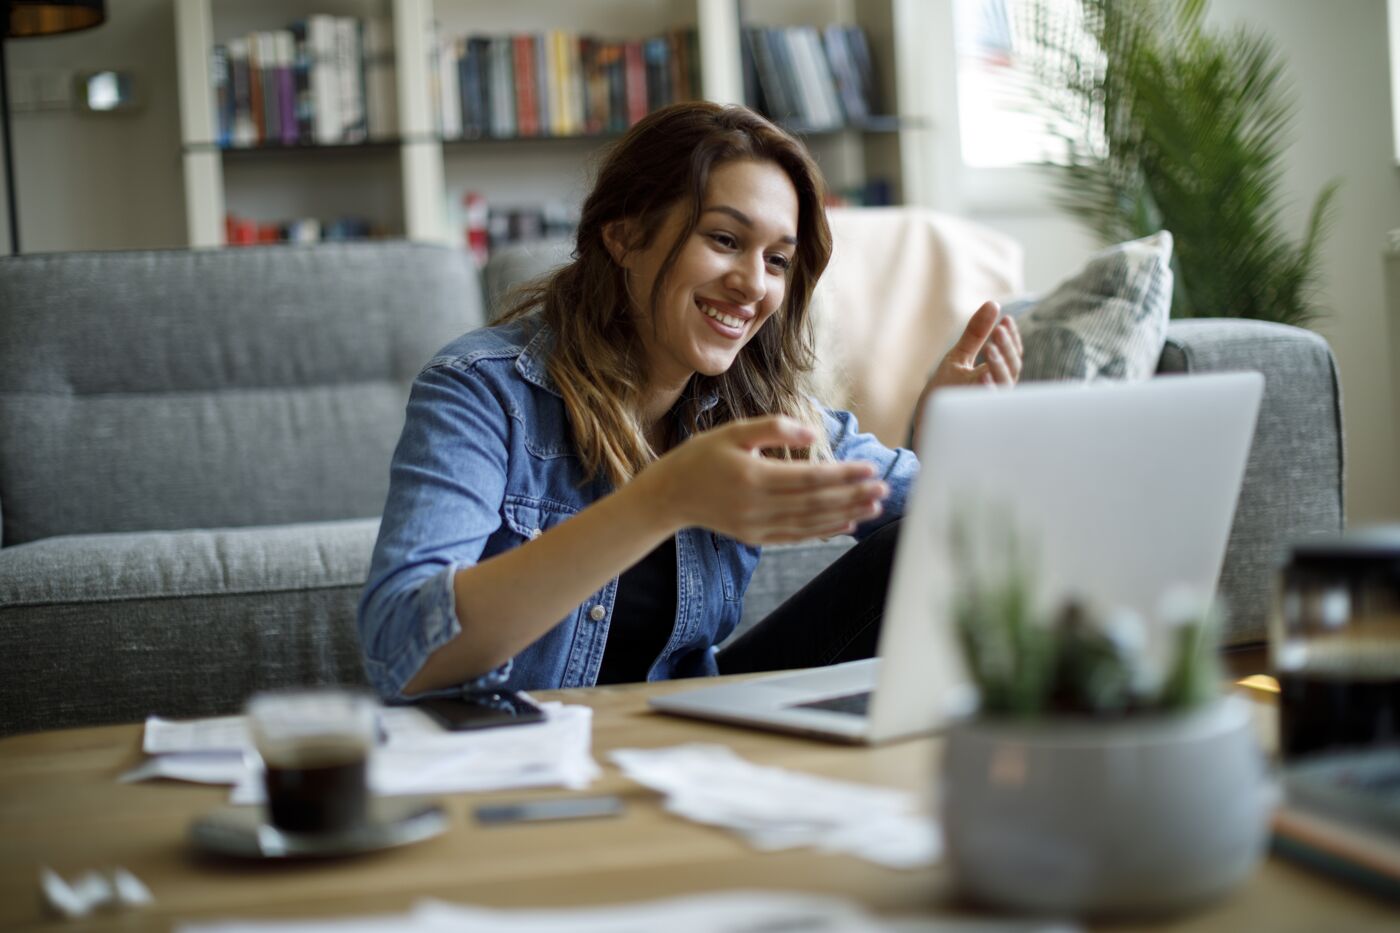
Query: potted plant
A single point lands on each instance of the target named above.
(1170, 124)
(1089, 781)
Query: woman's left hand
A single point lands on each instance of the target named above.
(998, 340)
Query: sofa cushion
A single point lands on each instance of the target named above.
(1107, 321)
(183, 623)
(197, 389)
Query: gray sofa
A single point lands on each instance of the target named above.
(194, 447)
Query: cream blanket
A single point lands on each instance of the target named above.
(901, 286)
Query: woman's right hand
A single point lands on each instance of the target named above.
(716, 480)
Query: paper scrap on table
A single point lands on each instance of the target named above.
(746, 912)
(774, 808)
(724, 912)
(417, 757)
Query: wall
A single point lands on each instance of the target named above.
(102, 181)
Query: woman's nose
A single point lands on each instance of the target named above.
(746, 278)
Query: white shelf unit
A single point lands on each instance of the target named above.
(416, 201)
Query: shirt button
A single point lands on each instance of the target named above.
(597, 613)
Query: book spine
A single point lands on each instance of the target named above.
(558, 92)
(527, 115)
(287, 86)
(542, 82)
(838, 56)
(223, 95)
(449, 89)
(325, 87)
(255, 89)
(352, 125)
(634, 67)
(655, 58)
(865, 67)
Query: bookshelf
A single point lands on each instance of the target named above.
(411, 180)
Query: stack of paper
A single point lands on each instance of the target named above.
(417, 756)
(777, 809)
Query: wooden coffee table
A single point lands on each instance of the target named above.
(60, 806)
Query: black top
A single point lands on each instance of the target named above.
(643, 615)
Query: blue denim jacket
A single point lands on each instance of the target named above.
(486, 463)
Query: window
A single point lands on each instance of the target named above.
(1005, 112)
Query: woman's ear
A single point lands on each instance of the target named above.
(617, 237)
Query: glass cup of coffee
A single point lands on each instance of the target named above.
(315, 746)
(1335, 643)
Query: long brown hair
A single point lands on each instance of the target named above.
(666, 160)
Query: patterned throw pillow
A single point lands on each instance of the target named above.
(1109, 321)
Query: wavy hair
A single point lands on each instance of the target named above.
(665, 162)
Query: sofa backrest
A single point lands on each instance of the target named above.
(217, 388)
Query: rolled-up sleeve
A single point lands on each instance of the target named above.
(446, 484)
(898, 467)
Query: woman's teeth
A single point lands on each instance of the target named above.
(728, 320)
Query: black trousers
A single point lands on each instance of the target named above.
(835, 617)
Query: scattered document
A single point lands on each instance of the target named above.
(736, 912)
(416, 756)
(748, 912)
(774, 808)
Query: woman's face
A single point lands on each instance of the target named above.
(730, 276)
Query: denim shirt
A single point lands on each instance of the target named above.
(485, 463)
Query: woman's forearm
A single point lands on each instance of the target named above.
(509, 601)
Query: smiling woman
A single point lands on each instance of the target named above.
(581, 491)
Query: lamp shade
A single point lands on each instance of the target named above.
(35, 18)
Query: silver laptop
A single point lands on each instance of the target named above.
(1124, 492)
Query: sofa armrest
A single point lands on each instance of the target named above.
(1293, 484)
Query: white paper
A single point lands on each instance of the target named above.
(773, 808)
(223, 733)
(746, 912)
(196, 767)
(426, 759)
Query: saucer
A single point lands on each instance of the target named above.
(245, 833)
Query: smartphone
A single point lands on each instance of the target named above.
(558, 808)
(484, 709)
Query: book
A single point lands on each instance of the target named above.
(527, 112)
(1341, 814)
(381, 86)
(221, 81)
(325, 85)
(449, 88)
(838, 54)
(284, 48)
(635, 81)
(348, 72)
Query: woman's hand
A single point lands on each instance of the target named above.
(996, 338)
(716, 480)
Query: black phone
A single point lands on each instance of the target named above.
(484, 709)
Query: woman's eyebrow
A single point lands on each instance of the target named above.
(744, 219)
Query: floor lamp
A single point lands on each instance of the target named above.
(25, 19)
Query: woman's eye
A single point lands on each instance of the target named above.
(725, 240)
(780, 261)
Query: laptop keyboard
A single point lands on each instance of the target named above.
(855, 704)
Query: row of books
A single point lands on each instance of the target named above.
(817, 79)
(557, 83)
(243, 231)
(323, 80)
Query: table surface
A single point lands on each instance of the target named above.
(60, 806)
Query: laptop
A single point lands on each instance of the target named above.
(1124, 492)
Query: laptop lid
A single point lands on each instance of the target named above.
(1121, 491)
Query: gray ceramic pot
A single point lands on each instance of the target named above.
(1143, 815)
